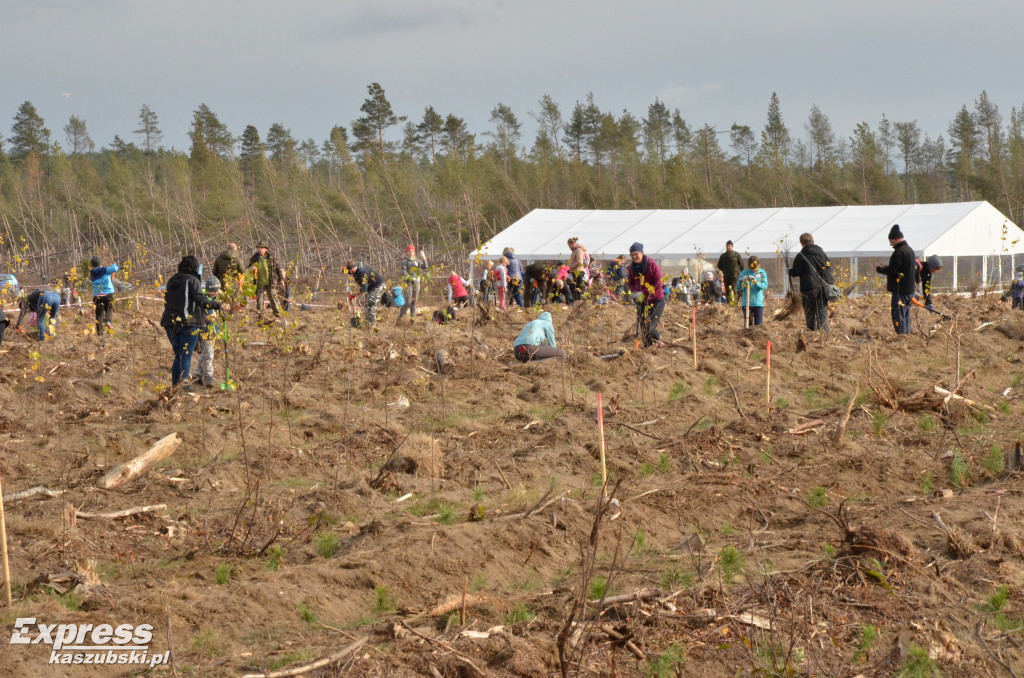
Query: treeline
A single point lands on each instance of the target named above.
(386, 180)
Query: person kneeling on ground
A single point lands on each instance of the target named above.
(648, 294)
(529, 345)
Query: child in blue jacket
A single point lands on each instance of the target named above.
(752, 283)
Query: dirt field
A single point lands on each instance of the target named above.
(462, 534)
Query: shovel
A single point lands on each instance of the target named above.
(917, 302)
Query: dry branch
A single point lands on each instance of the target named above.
(966, 401)
(123, 513)
(837, 436)
(25, 494)
(119, 475)
(319, 663)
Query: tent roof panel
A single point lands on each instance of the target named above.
(594, 230)
(783, 229)
(708, 237)
(655, 232)
(965, 229)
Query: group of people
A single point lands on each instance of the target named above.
(190, 305)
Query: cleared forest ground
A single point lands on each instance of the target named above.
(463, 533)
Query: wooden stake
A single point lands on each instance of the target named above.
(746, 314)
(465, 587)
(600, 428)
(3, 543)
(768, 379)
(693, 328)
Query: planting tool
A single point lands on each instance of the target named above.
(917, 302)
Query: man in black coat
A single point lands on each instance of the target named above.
(814, 269)
(184, 316)
(900, 279)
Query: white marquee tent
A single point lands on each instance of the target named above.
(978, 244)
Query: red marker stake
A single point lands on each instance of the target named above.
(768, 379)
(600, 428)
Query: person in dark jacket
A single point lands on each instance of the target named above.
(538, 282)
(929, 267)
(266, 274)
(814, 269)
(227, 266)
(899, 279)
(45, 303)
(370, 283)
(184, 316)
(617, 276)
(102, 293)
(648, 294)
(730, 264)
(4, 322)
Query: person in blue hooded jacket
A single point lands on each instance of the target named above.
(537, 341)
(515, 277)
(102, 293)
(752, 283)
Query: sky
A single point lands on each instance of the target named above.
(307, 63)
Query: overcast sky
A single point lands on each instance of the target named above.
(307, 63)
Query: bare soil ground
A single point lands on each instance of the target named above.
(463, 533)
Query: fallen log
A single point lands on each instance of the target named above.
(123, 513)
(25, 494)
(121, 474)
(966, 401)
(456, 601)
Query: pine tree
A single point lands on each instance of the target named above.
(281, 145)
(250, 156)
(149, 129)
(430, 129)
(370, 130)
(78, 136)
(657, 127)
(908, 139)
(775, 139)
(549, 127)
(822, 138)
(28, 134)
(965, 141)
(506, 134)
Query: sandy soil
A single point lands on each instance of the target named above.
(312, 506)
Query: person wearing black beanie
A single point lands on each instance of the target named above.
(184, 316)
(900, 280)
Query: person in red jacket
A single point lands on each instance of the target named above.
(648, 294)
(457, 294)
